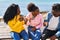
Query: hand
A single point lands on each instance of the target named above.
(53, 37)
(25, 19)
(33, 29)
(21, 18)
(45, 23)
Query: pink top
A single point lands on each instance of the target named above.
(36, 22)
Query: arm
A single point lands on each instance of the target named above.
(37, 21)
(28, 18)
(15, 25)
(46, 18)
(25, 19)
(49, 15)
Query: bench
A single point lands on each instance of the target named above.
(5, 32)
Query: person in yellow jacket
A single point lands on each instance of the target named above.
(16, 22)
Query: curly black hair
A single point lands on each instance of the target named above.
(56, 7)
(30, 6)
(10, 13)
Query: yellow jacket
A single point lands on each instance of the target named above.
(16, 25)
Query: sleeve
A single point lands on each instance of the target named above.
(17, 24)
(28, 16)
(37, 21)
(41, 23)
(46, 19)
(57, 34)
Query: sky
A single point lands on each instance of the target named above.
(44, 5)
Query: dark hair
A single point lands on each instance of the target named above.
(10, 13)
(30, 6)
(56, 7)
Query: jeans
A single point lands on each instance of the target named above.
(18, 36)
(34, 35)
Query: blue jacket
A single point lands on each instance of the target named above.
(49, 16)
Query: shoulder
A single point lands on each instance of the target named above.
(12, 21)
(49, 13)
(29, 15)
(40, 15)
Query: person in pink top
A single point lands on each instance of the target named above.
(34, 22)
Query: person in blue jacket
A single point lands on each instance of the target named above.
(52, 23)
